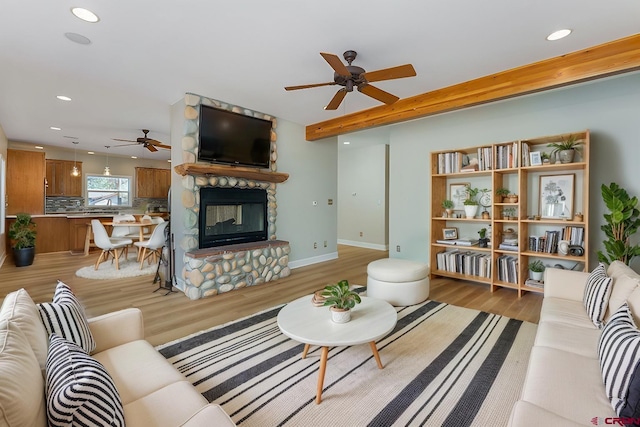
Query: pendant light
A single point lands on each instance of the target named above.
(107, 172)
(74, 170)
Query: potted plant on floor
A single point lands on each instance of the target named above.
(566, 149)
(340, 299)
(23, 236)
(622, 222)
(536, 270)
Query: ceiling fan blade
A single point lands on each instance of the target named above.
(336, 100)
(158, 145)
(378, 94)
(308, 86)
(336, 64)
(126, 145)
(151, 147)
(123, 140)
(398, 72)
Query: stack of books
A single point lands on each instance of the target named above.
(509, 245)
(534, 283)
(317, 299)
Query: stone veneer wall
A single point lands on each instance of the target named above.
(220, 273)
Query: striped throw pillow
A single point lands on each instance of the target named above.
(619, 354)
(79, 390)
(596, 294)
(65, 317)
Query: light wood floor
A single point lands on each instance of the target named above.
(174, 316)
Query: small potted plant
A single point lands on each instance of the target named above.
(483, 240)
(471, 202)
(536, 270)
(509, 213)
(546, 158)
(23, 236)
(566, 149)
(502, 193)
(448, 207)
(341, 299)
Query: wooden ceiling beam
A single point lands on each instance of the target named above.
(615, 57)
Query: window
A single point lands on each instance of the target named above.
(108, 190)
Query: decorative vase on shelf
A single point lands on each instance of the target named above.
(566, 156)
(470, 210)
(536, 275)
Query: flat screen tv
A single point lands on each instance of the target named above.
(231, 138)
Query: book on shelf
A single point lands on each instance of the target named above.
(458, 242)
(507, 267)
(534, 283)
(508, 247)
(465, 262)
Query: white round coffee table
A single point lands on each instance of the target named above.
(300, 320)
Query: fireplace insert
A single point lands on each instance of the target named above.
(232, 215)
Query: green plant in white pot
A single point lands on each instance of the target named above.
(622, 222)
(566, 149)
(340, 299)
(471, 202)
(536, 270)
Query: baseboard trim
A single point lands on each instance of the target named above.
(313, 260)
(363, 245)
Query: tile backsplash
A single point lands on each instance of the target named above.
(76, 204)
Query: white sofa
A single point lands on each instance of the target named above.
(563, 385)
(152, 391)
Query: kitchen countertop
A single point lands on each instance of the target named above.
(72, 215)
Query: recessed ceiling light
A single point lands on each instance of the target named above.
(77, 38)
(54, 128)
(84, 14)
(557, 35)
(346, 143)
(169, 160)
(39, 147)
(134, 157)
(90, 152)
(63, 98)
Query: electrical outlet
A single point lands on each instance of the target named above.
(361, 234)
(314, 203)
(398, 248)
(315, 245)
(325, 243)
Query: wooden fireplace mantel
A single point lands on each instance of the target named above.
(235, 171)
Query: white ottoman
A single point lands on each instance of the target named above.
(399, 282)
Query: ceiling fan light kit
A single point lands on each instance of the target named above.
(351, 76)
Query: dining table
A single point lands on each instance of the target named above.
(140, 224)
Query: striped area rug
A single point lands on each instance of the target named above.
(444, 366)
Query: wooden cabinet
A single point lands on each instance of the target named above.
(550, 213)
(25, 182)
(60, 182)
(152, 183)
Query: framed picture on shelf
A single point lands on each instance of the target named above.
(556, 196)
(458, 194)
(449, 233)
(536, 158)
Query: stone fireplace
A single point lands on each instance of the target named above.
(227, 245)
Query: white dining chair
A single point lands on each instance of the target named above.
(153, 246)
(152, 220)
(109, 245)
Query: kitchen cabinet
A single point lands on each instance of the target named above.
(60, 182)
(52, 233)
(25, 182)
(152, 183)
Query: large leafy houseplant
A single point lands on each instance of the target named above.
(622, 222)
(341, 299)
(22, 234)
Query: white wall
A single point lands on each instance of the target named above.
(608, 108)
(362, 197)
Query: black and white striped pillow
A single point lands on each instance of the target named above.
(619, 354)
(65, 317)
(596, 294)
(80, 391)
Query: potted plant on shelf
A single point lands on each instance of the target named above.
(502, 193)
(483, 240)
(448, 206)
(23, 235)
(340, 299)
(509, 213)
(622, 222)
(566, 149)
(536, 270)
(471, 202)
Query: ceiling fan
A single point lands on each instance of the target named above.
(351, 76)
(148, 143)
